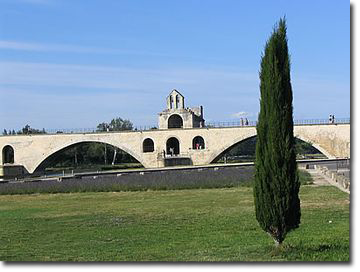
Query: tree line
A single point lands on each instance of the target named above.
(25, 130)
(116, 124)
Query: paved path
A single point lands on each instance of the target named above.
(321, 180)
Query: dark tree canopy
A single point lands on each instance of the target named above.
(276, 179)
(116, 124)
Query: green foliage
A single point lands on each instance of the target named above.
(25, 130)
(277, 184)
(116, 124)
(174, 180)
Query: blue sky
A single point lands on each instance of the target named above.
(76, 63)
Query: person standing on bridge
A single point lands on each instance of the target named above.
(332, 119)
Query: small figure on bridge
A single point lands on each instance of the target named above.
(246, 122)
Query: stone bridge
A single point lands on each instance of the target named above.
(153, 148)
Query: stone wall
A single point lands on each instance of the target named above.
(335, 178)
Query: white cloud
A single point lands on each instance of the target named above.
(48, 47)
(37, 2)
(241, 114)
(104, 77)
(43, 47)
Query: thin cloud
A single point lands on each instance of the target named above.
(45, 47)
(241, 114)
(37, 2)
(104, 77)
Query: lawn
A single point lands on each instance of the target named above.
(177, 225)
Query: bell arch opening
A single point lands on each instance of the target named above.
(8, 155)
(244, 151)
(175, 121)
(88, 156)
(172, 146)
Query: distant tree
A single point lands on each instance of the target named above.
(25, 130)
(28, 130)
(13, 132)
(5, 132)
(277, 184)
(304, 148)
(116, 124)
(102, 127)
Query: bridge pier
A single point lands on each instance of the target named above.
(12, 170)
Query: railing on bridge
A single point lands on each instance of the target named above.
(296, 122)
(321, 121)
(236, 123)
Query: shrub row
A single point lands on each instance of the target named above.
(139, 181)
(222, 177)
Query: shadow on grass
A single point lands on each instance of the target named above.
(322, 252)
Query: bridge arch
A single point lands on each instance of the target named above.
(219, 153)
(317, 146)
(73, 143)
(228, 146)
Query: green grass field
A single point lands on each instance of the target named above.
(178, 225)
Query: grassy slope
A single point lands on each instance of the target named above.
(182, 225)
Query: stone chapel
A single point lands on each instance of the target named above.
(177, 116)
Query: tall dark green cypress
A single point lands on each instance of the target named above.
(277, 184)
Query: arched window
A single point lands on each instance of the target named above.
(8, 154)
(198, 143)
(175, 121)
(148, 145)
(172, 146)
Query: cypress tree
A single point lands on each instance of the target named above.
(276, 188)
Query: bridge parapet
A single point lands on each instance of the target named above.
(219, 124)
